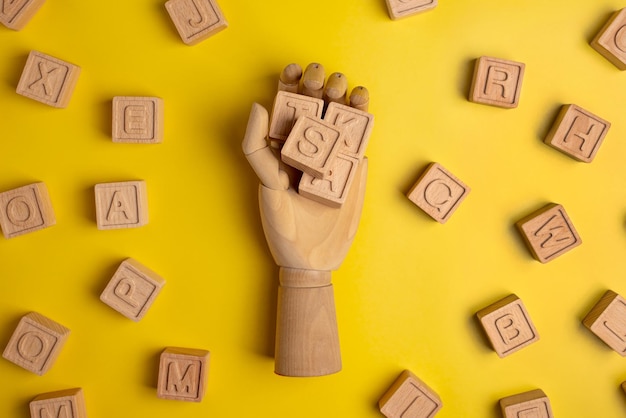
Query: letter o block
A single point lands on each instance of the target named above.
(69, 403)
(610, 42)
(497, 82)
(121, 205)
(410, 397)
(183, 374)
(25, 209)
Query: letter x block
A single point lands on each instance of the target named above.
(403, 8)
(48, 80)
(533, 404)
(507, 325)
(137, 120)
(183, 374)
(132, 289)
(69, 403)
(25, 209)
(15, 14)
(610, 42)
(196, 20)
(36, 343)
(288, 107)
(121, 205)
(497, 82)
(409, 397)
(607, 319)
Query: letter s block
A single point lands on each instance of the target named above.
(69, 403)
(121, 205)
(25, 209)
(497, 82)
(610, 42)
(607, 320)
(183, 374)
(410, 397)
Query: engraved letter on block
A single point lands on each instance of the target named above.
(25, 209)
(182, 374)
(137, 119)
(497, 82)
(611, 40)
(288, 107)
(409, 397)
(532, 404)
(69, 403)
(196, 20)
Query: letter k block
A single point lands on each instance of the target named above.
(183, 374)
(497, 82)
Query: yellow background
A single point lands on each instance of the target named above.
(406, 294)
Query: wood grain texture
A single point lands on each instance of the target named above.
(25, 209)
(533, 403)
(607, 320)
(497, 82)
(183, 374)
(137, 120)
(196, 20)
(121, 204)
(403, 8)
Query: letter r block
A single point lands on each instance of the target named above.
(288, 107)
(137, 120)
(409, 397)
(532, 404)
(15, 14)
(403, 8)
(36, 343)
(196, 20)
(610, 42)
(69, 403)
(121, 205)
(607, 319)
(25, 209)
(183, 374)
(497, 82)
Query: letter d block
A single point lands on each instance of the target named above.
(69, 403)
(121, 205)
(497, 82)
(610, 42)
(533, 404)
(607, 319)
(36, 343)
(409, 397)
(137, 120)
(25, 209)
(183, 374)
(15, 14)
(196, 20)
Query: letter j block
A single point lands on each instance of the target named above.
(497, 82)
(610, 42)
(196, 20)
(69, 403)
(25, 209)
(183, 374)
(121, 205)
(137, 120)
(607, 320)
(409, 397)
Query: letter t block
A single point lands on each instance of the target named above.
(607, 319)
(183, 374)
(409, 397)
(121, 205)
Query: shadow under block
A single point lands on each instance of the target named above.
(132, 289)
(577, 133)
(196, 20)
(15, 14)
(288, 107)
(36, 343)
(549, 232)
(137, 119)
(497, 82)
(607, 320)
(532, 404)
(25, 209)
(403, 8)
(48, 80)
(438, 192)
(409, 397)
(69, 403)
(507, 325)
(183, 374)
(121, 205)
(610, 42)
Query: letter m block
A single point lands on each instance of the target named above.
(183, 374)
(69, 403)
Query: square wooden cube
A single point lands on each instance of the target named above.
(577, 133)
(121, 205)
(288, 107)
(508, 325)
(137, 119)
(15, 14)
(132, 289)
(607, 319)
(532, 404)
(497, 82)
(196, 20)
(549, 232)
(25, 209)
(183, 374)
(409, 397)
(403, 8)
(610, 42)
(48, 80)
(36, 343)
(438, 192)
(333, 190)
(357, 127)
(69, 403)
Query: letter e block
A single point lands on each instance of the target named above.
(137, 120)
(36, 343)
(25, 209)
(121, 205)
(532, 404)
(507, 325)
(438, 192)
(607, 319)
(48, 80)
(196, 20)
(409, 397)
(497, 82)
(15, 14)
(333, 190)
(356, 125)
(610, 42)
(549, 232)
(132, 289)
(69, 403)
(288, 107)
(577, 133)
(183, 374)
(403, 8)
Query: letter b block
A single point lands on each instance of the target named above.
(409, 397)
(497, 82)
(69, 403)
(137, 120)
(25, 209)
(121, 205)
(183, 374)
(532, 404)
(607, 319)
(196, 20)
(610, 42)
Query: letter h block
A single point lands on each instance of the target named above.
(607, 320)
(610, 42)
(196, 20)
(15, 14)
(137, 120)
(69, 403)
(121, 205)
(409, 397)
(25, 209)
(497, 82)
(532, 404)
(183, 374)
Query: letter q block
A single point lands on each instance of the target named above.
(607, 320)
(610, 42)
(15, 14)
(69, 403)
(183, 374)
(196, 20)
(25, 209)
(497, 82)
(410, 397)
(137, 119)
(532, 404)
(121, 205)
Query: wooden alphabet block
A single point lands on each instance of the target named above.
(69, 403)
(288, 107)
(132, 289)
(196, 20)
(438, 192)
(25, 209)
(403, 8)
(409, 397)
(15, 14)
(183, 374)
(137, 119)
(497, 82)
(507, 325)
(549, 232)
(577, 133)
(36, 343)
(48, 80)
(532, 404)
(121, 205)
(607, 319)
(356, 125)
(333, 190)
(610, 42)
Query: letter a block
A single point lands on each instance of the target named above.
(69, 403)
(333, 190)
(132, 289)
(36, 343)
(497, 82)
(25, 209)
(610, 42)
(121, 205)
(403, 8)
(288, 107)
(409, 397)
(607, 319)
(549, 232)
(196, 20)
(183, 374)
(137, 120)
(15, 14)
(48, 80)
(533, 404)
